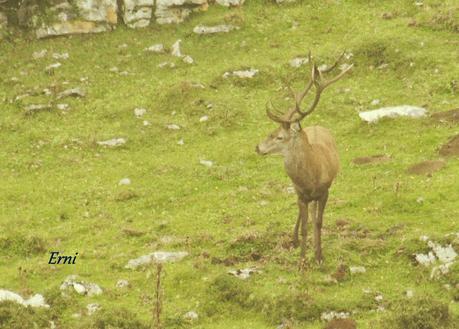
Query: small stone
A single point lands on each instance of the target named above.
(409, 293)
(201, 29)
(420, 200)
(191, 315)
(181, 142)
(357, 269)
(92, 308)
(79, 288)
(244, 74)
(113, 142)
(298, 61)
(139, 112)
(39, 54)
(62, 107)
(122, 284)
(33, 108)
(204, 118)
(379, 298)
(375, 102)
(156, 257)
(176, 49)
(157, 48)
(166, 64)
(124, 181)
(146, 123)
(206, 163)
(173, 126)
(243, 274)
(392, 112)
(61, 56)
(52, 67)
(114, 69)
(290, 190)
(72, 92)
(188, 59)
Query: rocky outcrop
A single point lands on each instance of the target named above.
(137, 13)
(80, 16)
(175, 11)
(61, 17)
(230, 3)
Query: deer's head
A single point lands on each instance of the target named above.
(279, 141)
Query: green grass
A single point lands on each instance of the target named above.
(59, 189)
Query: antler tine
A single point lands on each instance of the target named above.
(320, 86)
(271, 115)
(331, 68)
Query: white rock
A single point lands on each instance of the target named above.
(375, 102)
(191, 315)
(39, 54)
(440, 270)
(173, 126)
(244, 273)
(426, 259)
(166, 64)
(243, 74)
(72, 92)
(61, 56)
(79, 288)
(52, 67)
(62, 107)
(444, 254)
(175, 11)
(206, 163)
(424, 238)
(357, 269)
(157, 48)
(92, 308)
(181, 142)
(124, 181)
(146, 123)
(298, 61)
(36, 300)
(230, 3)
(114, 69)
(379, 298)
(328, 316)
(122, 284)
(409, 293)
(204, 118)
(176, 49)
(137, 13)
(113, 142)
(188, 59)
(139, 112)
(202, 29)
(156, 257)
(392, 112)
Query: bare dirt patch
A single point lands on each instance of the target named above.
(451, 148)
(379, 158)
(451, 116)
(426, 167)
(341, 324)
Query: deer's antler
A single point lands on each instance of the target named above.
(319, 83)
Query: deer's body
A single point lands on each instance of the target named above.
(312, 162)
(310, 159)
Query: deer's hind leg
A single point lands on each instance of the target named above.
(318, 220)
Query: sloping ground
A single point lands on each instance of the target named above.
(60, 189)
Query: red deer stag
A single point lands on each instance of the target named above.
(310, 156)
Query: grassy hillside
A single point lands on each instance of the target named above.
(59, 189)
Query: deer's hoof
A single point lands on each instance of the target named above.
(295, 243)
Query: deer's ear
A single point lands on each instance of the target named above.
(295, 126)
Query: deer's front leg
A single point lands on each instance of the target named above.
(303, 207)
